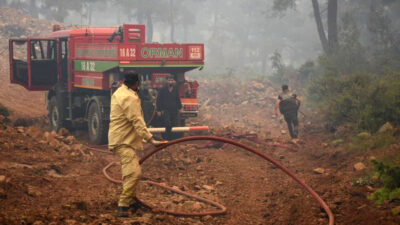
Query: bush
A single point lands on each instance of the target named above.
(366, 141)
(389, 175)
(364, 100)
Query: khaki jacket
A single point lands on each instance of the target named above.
(127, 126)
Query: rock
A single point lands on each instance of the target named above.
(3, 194)
(363, 135)
(53, 133)
(160, 217)
(20, 129)
(370, 189)
(63, 132)
(33, 191)
(258, 86)
(33, 132)
(207, 117)
(197, 206)
(396, 211)
(319, 170)
(337, 142)
(78, 147)
(54, 143)
(70, 139)
(207, 218)
(2, 178)
(208, 188)
(178, 199)
(107, 216)
(385, 127)
(283, 131)
(146, 218)
(71, 222)
(359, 166)
(337, 201)
(65, 147)
(46, 134)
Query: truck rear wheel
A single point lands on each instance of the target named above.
(98, 128)
(56, 117)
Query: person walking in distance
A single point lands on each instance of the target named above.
(126, 132)
(289, 104)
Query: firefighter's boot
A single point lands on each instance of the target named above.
(123, 211)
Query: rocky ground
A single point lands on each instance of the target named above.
(49, 178)
(15, 97)
(53, 178)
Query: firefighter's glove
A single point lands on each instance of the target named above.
(156, 143)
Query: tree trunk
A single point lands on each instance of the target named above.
(332, 25)
(320, 27)
(89, 12)
(149, 27)
(171, 18)
(185, 31)
(33, 9)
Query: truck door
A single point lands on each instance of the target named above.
(36, 68)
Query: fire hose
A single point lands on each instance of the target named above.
(221, 207)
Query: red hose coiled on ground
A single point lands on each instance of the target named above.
(235, 143)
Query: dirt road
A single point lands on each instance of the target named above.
(45, 182)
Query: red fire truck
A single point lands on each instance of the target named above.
(80, 68)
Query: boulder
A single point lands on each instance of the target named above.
(208, 188)
(359, 166)
(337, 142)
(33, 191)
(63, 132)
(2, 178)
(385, 127)
(3, 194)
(319, 170)
(197, 206)
(20, 129)
(70, 139)
(363, 135)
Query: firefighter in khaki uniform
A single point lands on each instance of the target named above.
(126, 132)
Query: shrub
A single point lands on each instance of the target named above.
(366, 141)
(364, 100)
(389, 175)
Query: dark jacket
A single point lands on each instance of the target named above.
(168, 101)
(288, 103)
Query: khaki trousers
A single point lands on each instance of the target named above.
(131, 173)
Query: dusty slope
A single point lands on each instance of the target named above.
(14, 24)
(46, 182)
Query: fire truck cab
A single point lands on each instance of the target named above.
(80, 68)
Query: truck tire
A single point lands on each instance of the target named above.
(56, 116)
(97, 126)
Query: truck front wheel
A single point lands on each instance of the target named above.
(56, 117)
(98, 128)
